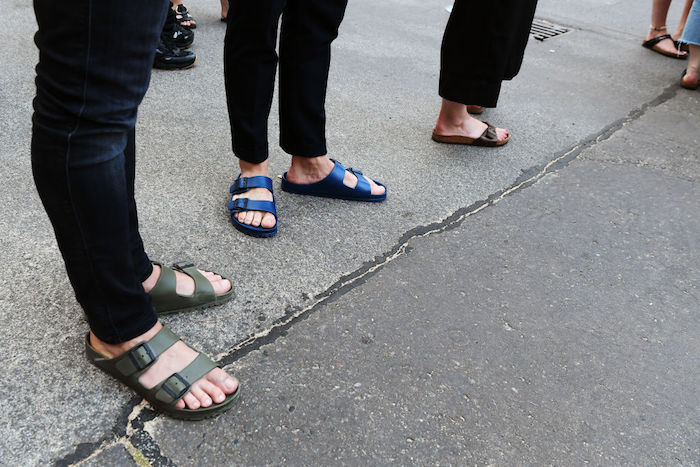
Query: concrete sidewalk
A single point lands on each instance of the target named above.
(500, 338)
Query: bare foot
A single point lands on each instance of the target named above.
(211, 388)
(306, 170)
(454, 120)
(691, 79)
(184, 284)
(262, 219)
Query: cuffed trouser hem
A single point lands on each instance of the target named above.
(316, 150)
(469, 91)
(146, 319)
(252, 156)
(145, 270)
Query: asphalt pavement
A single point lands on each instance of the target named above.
(532, 304)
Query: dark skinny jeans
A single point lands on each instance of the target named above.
(95, 60)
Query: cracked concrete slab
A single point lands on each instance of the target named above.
(559, 326)
(381, 104)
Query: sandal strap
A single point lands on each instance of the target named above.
(652, 42)
(489, 135)
(245, 204)
(243, 184)
(137, 360)
(164, 292)
(173, 388)
(202, 286)
(362, 183)
(183, 14)
(338, 173)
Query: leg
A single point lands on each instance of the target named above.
(250, 64)
(683, 19)
(462, 84)
(659, 12)
(691, 36)
(89, 85)
(78, 153)
(308, 29)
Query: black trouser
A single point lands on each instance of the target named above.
(250, 62)
(484, 43)
(94, 69)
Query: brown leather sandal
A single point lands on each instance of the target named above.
(475, 109)
(489, 138)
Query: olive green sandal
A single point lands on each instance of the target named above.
(129, 367)
(166, 300)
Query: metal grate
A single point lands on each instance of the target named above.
(542, 29)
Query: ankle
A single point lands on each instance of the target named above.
(151, 281)
(310, 165)
(253, 170)
(115, 350)
(454, 124)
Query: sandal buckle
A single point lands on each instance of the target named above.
(240, 185)
(240, 204)
(182, 265)
(142, 356)
(177, 388)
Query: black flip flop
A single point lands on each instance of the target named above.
(651, 43)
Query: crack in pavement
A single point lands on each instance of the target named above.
(131, 426)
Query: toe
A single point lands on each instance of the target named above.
(221, 286)
(268, 221)
(376, 189)
(220, 378)
(212, 390)
(257, 218)
(248, 219)
(191, 401)
(202, 397)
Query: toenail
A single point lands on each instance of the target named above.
(229, 384)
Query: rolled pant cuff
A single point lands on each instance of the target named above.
(316, 150)
(145, 270)
(146, 320)
(252, 156)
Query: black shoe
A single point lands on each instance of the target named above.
(175, 35)
(172, 58)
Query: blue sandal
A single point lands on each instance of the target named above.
(242, 185)
(333, 187)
